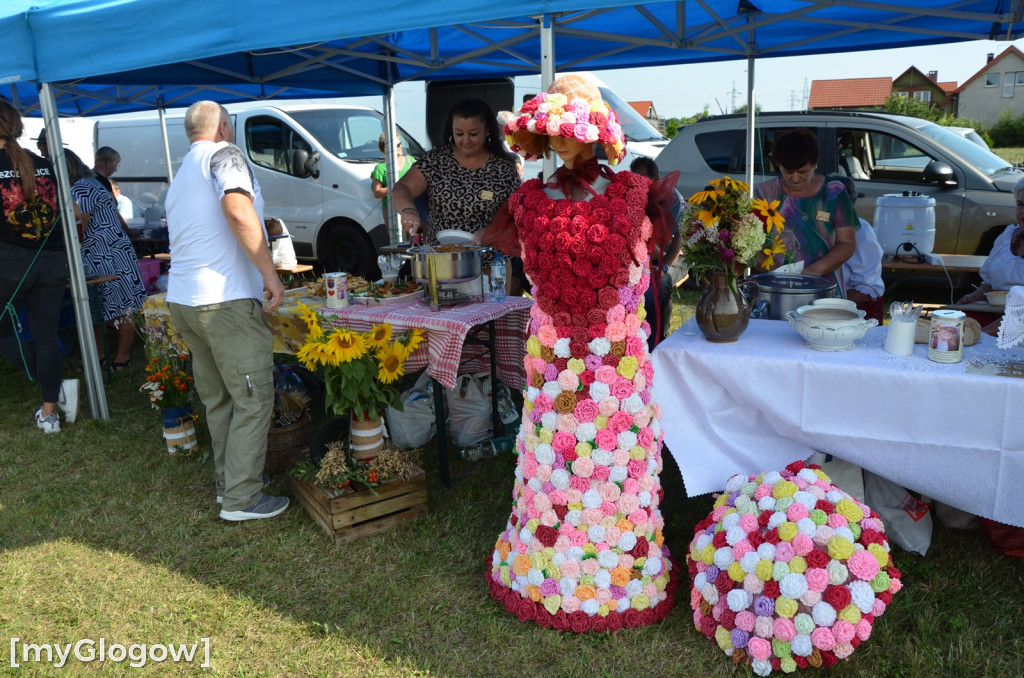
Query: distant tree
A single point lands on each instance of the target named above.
(920, 109)
(1008, 132)
(743, 109)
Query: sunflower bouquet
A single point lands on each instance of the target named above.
(724, 229)
(360, 368)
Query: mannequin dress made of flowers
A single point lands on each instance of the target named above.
(583, 548)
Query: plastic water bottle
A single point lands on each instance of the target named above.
(488, 448)
(498, 278)
(507, 410)
(291, 383)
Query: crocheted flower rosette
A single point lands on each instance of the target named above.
(789, 571)
(576, 118)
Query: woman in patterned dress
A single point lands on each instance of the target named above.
(106, 250)
(465, 181)
(583, 548)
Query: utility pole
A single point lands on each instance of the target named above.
(806, 95)
(732, 95)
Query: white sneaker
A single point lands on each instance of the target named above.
(68, 401)
(50, 424)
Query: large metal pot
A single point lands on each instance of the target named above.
(445, 266)
(785, 292)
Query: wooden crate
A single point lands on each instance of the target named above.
(361, 512)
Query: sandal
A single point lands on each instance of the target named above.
(121, 367)
(103, 366)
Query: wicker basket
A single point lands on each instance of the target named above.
(287, 444)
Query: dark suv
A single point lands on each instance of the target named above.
(883, 153)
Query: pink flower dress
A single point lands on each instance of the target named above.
(583, 548)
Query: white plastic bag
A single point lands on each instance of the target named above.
(908, 520)
(469, 409)
(846, 476)
(282, 252)
(416, 424)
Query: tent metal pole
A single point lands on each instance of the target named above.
(547, 72)
(167, 145)
(391, 158)
(79, 290)
(751, 129)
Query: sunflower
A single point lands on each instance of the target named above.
(776, 247)
(727, 182)
(308, 315)
(346, 345)
(412, 343)
(391, 361)
(708, 218)
(379, 336)
(770, 213)
(700, 197)
(313, 354)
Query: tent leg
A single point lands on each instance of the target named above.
(79, 291)
(547, 72)
(391, 158)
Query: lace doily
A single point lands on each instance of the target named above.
(1011, 330)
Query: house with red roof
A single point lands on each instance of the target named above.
(849, 93)
(914, 84)
(862, 93)
(646, 109)
(986, 95)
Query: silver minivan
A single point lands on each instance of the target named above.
(883, 153)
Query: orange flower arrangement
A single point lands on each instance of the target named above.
(168, 382)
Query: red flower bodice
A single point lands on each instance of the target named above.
(572, 251)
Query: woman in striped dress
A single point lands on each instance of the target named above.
(106, 250)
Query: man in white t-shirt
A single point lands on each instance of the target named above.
(222, 268)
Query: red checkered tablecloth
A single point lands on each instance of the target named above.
(444, 350)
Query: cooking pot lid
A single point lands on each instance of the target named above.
(791, 282)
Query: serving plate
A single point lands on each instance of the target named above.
(453, 236)
(368, 298)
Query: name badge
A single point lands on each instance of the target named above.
(821, 215)
(487, 195)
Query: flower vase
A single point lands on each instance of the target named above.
(366, 436)
(722, 312)
(179, 429)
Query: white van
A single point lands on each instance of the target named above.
(313, 162)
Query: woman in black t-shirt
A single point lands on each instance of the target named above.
(33, 267)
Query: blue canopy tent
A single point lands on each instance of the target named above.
(340, 46)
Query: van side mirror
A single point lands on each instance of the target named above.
(939, 172)
(304, 164)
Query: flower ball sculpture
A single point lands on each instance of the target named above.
(789, 571)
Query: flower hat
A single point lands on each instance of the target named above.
(571, 108)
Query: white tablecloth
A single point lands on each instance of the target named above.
(767, 400)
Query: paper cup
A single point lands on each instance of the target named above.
(899, 337)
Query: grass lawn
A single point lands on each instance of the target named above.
(104, 535)
(1011, 155)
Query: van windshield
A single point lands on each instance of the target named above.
(351, 134)
(634, 125)
(981, 157)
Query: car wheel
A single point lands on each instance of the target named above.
(347, 248)
(988, 240)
